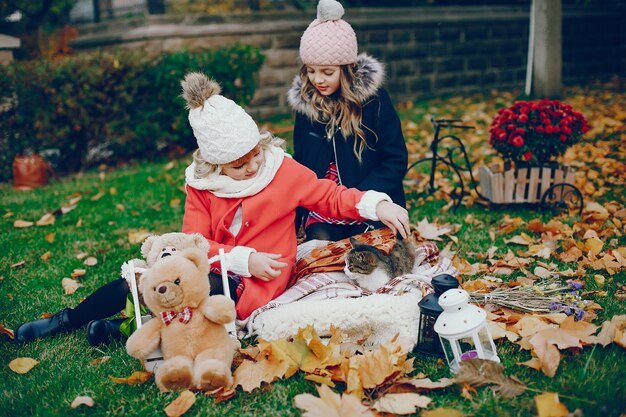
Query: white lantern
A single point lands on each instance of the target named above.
(463, 330)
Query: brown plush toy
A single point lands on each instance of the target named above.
(189, 324)
(156, 247)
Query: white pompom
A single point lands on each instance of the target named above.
(329, 10)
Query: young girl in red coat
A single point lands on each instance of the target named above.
(242, 194)
(243, 191)
(346, 128)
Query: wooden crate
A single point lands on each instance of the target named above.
(523, 185)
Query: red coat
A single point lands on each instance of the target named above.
(267, 222)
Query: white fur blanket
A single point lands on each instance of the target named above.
(332, 299)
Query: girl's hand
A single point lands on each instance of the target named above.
(394, 217)
(264, 266)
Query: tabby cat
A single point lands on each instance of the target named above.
(371, 268)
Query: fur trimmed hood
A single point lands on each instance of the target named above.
(370, 74)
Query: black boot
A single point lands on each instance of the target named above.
(59, 323)
(103, 332)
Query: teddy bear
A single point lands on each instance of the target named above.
(188, 324)
(156, 247)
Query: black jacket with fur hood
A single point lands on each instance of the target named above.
(384, 161)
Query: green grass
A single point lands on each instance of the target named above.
(591, 379)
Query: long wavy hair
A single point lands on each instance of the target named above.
(344, 111)
(204, 169)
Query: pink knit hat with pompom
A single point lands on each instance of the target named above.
(328, 40)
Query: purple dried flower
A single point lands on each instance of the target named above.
(568, 310)
(575, 285)
(579, 314)
(554, 306)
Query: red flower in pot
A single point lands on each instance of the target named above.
(536, 131)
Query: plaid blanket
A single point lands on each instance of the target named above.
(318, 277)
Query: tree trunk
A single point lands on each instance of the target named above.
(547, 57)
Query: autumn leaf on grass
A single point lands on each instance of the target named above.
(221, 394)
(425, 383)
(98, 196)
(548, 405)
(70, 286)
(100, 360)
(546, 343)
(267, 368)
(376, 368)
(137, 236)
(22, 223)
(498, 331)
(22, 365)
(78, 273)
(46, 220)
(136, 378)
(91, 261)
(82, 400)
(611, 329)
(180, 405)
(480, 372)
(401, 403)
(323, 380)
(441, 412)
(521, 239)
(431, 231)
(6, 331)
(330, 404)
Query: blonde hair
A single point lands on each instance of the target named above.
(345, 112)
(204, 169)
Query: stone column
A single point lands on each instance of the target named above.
(547, 60)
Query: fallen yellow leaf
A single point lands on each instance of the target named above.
(46, 220)
(78, 273)
(330, 404)
(100, 360)
(136, 378)
(22, 223)
(548, 405)
(82, 400)
(441, 412)
(91, 261)
(180, 405)
(98, 196)
(320, 380)
(401, 403)
(22, 365)
(70, 286)
(137, 236)
(6, 331)
(594, 245)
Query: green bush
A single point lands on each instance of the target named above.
(109, 106)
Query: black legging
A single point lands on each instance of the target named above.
(333, 232)
(110, 299)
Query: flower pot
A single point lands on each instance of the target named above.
(523, 184)
(30, 171)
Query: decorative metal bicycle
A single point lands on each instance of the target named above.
(546, 186)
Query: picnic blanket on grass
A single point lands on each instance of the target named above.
(325, 296)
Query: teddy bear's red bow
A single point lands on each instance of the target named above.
(183, 316)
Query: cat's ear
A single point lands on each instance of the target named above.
(354, 242)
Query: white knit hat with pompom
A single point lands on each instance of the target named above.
(223, 130)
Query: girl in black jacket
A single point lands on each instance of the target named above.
(346, 127)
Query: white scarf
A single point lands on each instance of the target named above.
(223, 186)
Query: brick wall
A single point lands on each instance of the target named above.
(427, 50)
